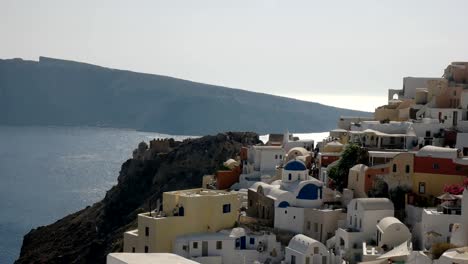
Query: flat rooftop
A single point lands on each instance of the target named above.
(146, 258)
(199, 192)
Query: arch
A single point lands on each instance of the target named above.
(395, 96)
(342, 242)
(309, 192)
(283, 204)
(260, 189)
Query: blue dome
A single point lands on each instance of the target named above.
(295, 165)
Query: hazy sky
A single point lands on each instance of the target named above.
(311, 50)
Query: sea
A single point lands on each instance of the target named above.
(49, 172)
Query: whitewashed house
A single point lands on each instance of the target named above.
(460, 229)
(454, 256)
(237, 245)
(362, 218)
(142, 258)
(391, 233)
(305, 250)
(261, 164)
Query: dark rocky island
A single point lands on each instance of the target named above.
(59, 92)
(87, 236)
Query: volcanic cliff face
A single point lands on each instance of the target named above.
(87, 236)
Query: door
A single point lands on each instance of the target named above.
(242, 242)
(455, 118)
(204, 248)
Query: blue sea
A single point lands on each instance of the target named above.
(49, 172)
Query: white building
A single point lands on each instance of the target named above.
(462, 143)
(460, 229)
(146, 258)
(391, 233)
(264, 158)
(305, 250)
(236, 245)
(261, 164)
(454, 256)
(361, 226)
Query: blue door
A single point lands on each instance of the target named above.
(242, 245)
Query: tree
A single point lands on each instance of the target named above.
(352, 155)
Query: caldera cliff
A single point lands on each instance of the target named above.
(87, 236)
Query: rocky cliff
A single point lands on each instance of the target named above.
(89, 235)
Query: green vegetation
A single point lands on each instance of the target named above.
(352, 155)
(438, 249)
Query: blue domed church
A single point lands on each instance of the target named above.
(282, 202)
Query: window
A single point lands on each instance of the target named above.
(285, 211)
(281, 156)
(308, 225)
(250, 203)
(226, 208)
(146, 249)
(133, 249)
(219, 244)
(146, 231)
(252, 241)
(394, 167)
(422, 187)
(360, 223)
(435, 166)
(407, 169)
(316, 227)
(289, 176)
(355, 206)
(195, 245)
(316, 250)
(276, 156)
(428, 133)
(357, 177)
(293, 259)
(350, 220)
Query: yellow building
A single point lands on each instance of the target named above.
(401, 171)
(184, 212)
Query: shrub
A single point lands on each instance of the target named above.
(438, 249)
